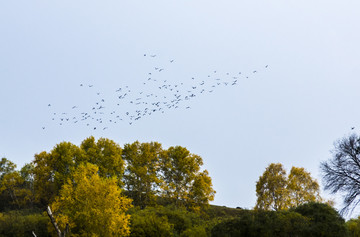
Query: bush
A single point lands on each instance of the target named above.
(148, 223)
(324, 220)
(167, 221)
(262, 223)
(21, 223)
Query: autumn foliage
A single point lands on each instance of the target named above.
(276, 191)
(92, 186)
(141, 189)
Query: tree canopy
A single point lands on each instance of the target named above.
(271, 188)
(52, 169)
(276, 191)
(145, 170)
(142, 175)
(183, 180)
(92, 204)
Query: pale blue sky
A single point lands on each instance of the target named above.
(290, 112)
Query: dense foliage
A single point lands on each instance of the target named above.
(91, 204)
(276, 191)
(324, 220)
(22, 223)
(311, 219)
(86, 185)
(101, 189)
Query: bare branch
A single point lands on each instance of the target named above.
(342, 172)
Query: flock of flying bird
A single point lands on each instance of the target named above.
(155, 95)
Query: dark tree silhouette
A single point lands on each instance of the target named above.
(341, 174)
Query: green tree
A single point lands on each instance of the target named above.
(27, 174)
(6, 166)
(92, 205)
(271, 189)
(325, 221)
(106, 154)
(141, 177)
(183, 181)
(15, 190)
(52, 169)
(353, 227)
(11, 184)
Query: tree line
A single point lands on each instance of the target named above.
(78, 181)
(141, 189)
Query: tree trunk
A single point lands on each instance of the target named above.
(58, 231)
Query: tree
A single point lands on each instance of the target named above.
(27, 174)
(141, 177)
(271, 188)
(11, 184)
(353, 227)
(341, 174)
(201, 191)
(6, 166)
(92, 205)
(275, 191)
(15, 190)
(106, 154)
(52, 169)
(183, 181)
(302, 188)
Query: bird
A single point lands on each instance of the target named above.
(352, 128)
(169, 95)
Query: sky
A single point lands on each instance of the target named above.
(276, 81)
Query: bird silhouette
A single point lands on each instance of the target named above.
(156, 93)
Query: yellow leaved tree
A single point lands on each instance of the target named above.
(92, 205)
(276, 191)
